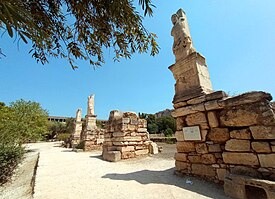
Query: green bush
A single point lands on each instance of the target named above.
(168, 132)
(63, 137)
(80, 145)
(10, 156)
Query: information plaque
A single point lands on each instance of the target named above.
(192, 133)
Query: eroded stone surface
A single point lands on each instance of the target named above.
(218, 135)
(237, 145)
(240, 158)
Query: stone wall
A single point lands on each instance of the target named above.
(236, 135)
(126, 136)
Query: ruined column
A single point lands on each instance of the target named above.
(77, 127)
(91, 117)
(190, 70)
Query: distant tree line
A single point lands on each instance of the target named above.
(164, 124)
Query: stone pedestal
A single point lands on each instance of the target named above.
(127, 136)
(192, 78)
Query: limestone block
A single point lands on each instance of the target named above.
(180, 123)
(246, 171)
(142, 123)
(179, 135)
(263, 132)
(273, 149)
(261, 147)
(238, 189)
(120, 143)
(203, 170)
(237, 145)
(212, 105)
(140, 147)
(246, 98)
(153, 148)
(218, 135)
(214, 148)
(194, 158)
(142, 152)
(179, 112)
(111, 148)
(221, 174)
(119, 134)
(180, 157)
(218, 155)
(184, 147)
(99, 141)
(238, 117)
(126, 148)
(243, 134)
(197, 119)
(180, 165)
(105, 143)
(140, 130)
(212, 119)
(130, 138)
(125, 120)
(112, 156)
(259, 113)
(196, 100)
(240, 158)
(216, 95)
(267, 160)
(208, 159)
(128, 154)
(204, 135)
(201, 148)
(179, 104)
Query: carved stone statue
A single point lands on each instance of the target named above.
(91, 103)
(183, 45)
(78, 115)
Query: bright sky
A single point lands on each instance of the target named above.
(236, 37)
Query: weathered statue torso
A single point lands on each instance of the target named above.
(183, 45)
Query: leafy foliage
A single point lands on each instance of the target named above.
(20, 122)
(56, 129)
(165, 124)
(79, 29)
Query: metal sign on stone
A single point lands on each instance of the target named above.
(192, 133)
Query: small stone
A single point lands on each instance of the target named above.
(263, 132)
(142, 152)
(208, 159)
(261, 147)
(212, 119)
(267, 160)
(183, 147)
(218, 135)
(237, 145)
(221, 174)
(212, 105)
(201, 148)
(273, 149)
(181, 157)
(214, 148)
(112, 156)
(243, 134)
(180, 165)
(127, 154)
(194, 158)
(180, 123)
(197, 119)
(203, 170)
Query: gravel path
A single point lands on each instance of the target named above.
(63, 174)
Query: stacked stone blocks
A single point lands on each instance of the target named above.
(237, 136)
(126, 136)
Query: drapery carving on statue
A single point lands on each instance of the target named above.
(182, 39)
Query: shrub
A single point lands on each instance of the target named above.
(63, 137)
(80, 145)
(10, 156)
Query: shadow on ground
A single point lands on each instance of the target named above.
(167, 177)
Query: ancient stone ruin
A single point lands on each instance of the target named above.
(90, 136)
(223, 139)
(126, 137)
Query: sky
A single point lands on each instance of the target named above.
(237, 38)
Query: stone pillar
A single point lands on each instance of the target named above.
(91, 117)
(77, 127)
(190, 70)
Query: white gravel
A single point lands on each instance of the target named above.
(63, 174)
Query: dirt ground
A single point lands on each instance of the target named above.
(63, 174)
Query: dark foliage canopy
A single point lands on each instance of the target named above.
(79, 29)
